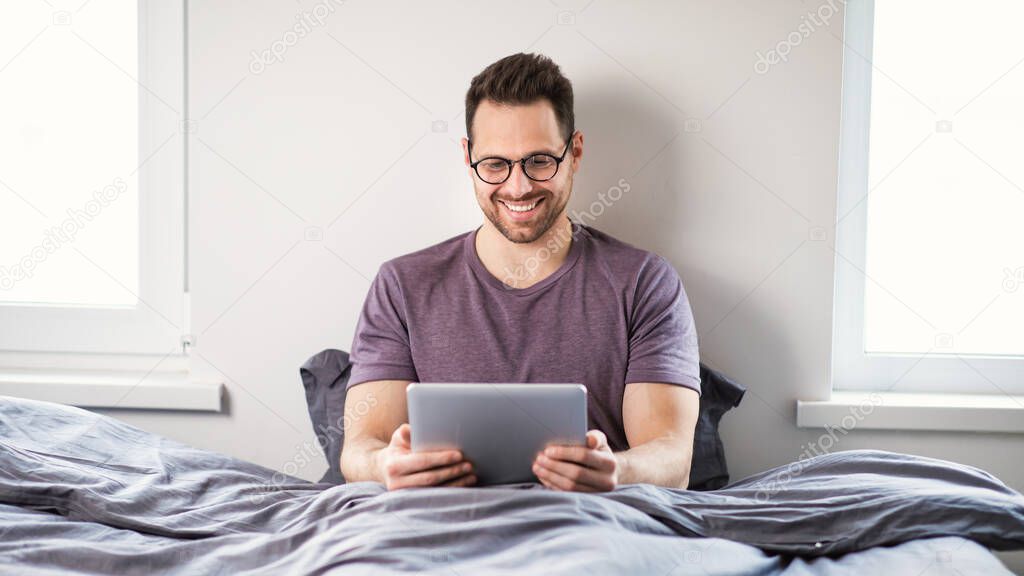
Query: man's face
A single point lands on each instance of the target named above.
(520, 208)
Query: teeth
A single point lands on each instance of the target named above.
(524, 208)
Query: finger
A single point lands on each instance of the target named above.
(545, 482)
(578, 454)
(462, 481)
(591, 458)
(420, 461)
(558, 481)
(596, 439)
(578, 474)
(424, 461)
(550, 479)
(402, 437)
(436, 476)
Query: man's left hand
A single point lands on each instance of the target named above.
(590, 468)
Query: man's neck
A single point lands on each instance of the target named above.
(521, 265)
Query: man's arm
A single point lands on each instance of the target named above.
(377, 444)
(659, 420)
(365, 436)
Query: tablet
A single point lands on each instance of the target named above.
(500, 428)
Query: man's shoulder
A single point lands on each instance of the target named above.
(622, 259)
(433, 260)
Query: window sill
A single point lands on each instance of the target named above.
(900, 411)
(103, 389)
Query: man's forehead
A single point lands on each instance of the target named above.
(522, 128)
(510, 148)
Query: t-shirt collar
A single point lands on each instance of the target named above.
(579, 237)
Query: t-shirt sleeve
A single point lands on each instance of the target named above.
(380, 348)
(662, 334)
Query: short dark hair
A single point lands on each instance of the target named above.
(523, 79)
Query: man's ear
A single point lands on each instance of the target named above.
(577, 150)
(465, 151)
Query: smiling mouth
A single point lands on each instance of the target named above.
(521, 210)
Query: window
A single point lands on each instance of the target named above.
(92, 176)
(930, 224)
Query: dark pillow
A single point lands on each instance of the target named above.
(719, 394)
(325, 375)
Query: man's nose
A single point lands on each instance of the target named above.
(518, 184)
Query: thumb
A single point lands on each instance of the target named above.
(402, 436)
(596, 439)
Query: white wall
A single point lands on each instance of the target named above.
(338, 136)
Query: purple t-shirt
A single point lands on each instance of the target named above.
(610, 315)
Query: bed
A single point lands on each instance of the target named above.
(81, 492)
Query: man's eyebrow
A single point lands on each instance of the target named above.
(527, 155)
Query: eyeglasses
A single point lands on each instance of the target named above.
(538, 167)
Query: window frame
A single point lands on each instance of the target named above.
(158, 322)
(852, 368)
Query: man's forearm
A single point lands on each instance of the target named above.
(663, 461)
(360, 460)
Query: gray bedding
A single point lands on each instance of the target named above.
(88, 494)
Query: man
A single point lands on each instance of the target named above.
(529, 297)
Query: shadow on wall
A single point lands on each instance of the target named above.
(626, 143)
(638, 184)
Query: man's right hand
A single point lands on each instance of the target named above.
(402, 468)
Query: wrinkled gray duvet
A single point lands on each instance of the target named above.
(87, 494)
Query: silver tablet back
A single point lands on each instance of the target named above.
(499, 427)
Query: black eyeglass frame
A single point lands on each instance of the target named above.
(522, 163)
